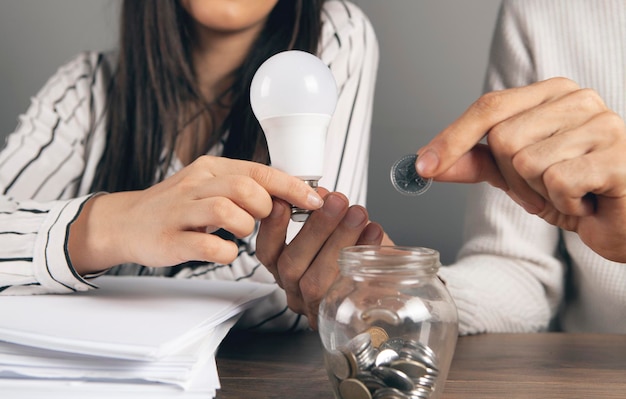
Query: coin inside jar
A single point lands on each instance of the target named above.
(405, 178)
(394, 378)
(354, 389)
(399, 368)
(385, 357)
(340, 365)
(378, 335)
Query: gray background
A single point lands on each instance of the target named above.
(433, 57)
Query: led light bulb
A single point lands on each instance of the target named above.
(293, 95)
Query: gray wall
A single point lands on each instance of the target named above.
(433, 57)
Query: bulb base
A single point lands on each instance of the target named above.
(299, 214)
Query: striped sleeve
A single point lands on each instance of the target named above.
(34, 259)
(349, 47)
(41, 168)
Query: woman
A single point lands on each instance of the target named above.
(126, 160)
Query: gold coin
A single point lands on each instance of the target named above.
(378, 334)
(352, 362)
(339, 364)
(354, 389)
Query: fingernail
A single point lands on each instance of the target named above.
(427, 163)
(355, 217)
(315, 200)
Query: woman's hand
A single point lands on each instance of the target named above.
(167, 224)
(554, 148)
(306, 267)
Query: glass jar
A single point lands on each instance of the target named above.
(387, 324)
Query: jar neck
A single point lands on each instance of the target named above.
(372, 261)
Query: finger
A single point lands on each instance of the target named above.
(532, 162)
(372, 234)
(270, 241)
(545, 120)
(303, 249)
(570, 183)
(323, 192)
(511, 140)
(277, 183)
(475, 166)
(215, 212)
(490, 109)
(241, 190)
(604, 231)
(324, 269)
(184, 246)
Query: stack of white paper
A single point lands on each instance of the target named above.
(142, 336)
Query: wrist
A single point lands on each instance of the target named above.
(95, 236)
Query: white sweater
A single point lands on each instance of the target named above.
(48, 164)
(510, 274)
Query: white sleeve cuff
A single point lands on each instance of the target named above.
(51, 262)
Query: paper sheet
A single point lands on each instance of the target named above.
(129, 317)
(139, 337)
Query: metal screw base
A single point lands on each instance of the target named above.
(301, 215)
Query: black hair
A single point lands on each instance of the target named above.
(154, 93)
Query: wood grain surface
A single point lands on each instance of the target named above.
(503, 366)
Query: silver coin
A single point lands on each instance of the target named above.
(396, 344)
(409, 367)
(394, 378)
(385, 357)
(420, 356)
(420, 393)
(389, 393)
(427, 382)
(372, 382)
(405, 178)
(360, 343)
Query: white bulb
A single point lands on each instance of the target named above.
(293, 95)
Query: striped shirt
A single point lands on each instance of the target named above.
(515, 271)
(48, 164)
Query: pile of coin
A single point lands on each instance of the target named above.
(374, 366)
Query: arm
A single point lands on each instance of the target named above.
(41, 169)
(161, 226)
(555, 148)
(507, 276)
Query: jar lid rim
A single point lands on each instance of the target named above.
(389, 258)
(396, 251)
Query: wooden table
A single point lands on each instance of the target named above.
(503, 366)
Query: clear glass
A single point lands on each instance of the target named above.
(388, 324)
